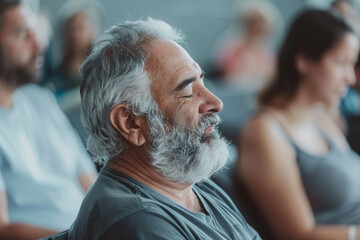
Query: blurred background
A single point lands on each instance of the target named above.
(203, 21)
(229, 39)
(234, 41)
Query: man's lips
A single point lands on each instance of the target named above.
(209, 130)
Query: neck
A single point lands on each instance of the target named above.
(6, 95)
(300, 109)
(138, 166)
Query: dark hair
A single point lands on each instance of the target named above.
(357, 64)
(5, 5)
(312, 34)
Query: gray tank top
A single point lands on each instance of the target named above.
(331, 182)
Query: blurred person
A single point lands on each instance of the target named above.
(78, 38)
(246, 58)
(350, 107)
(40, 24)
(347, 9)
(44, 169)
(293, 158)
(152, 124)
(79, 23)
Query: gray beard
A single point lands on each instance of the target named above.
(186, 155)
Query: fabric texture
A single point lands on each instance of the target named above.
(119, 207)
(331, 182)
(41, 159)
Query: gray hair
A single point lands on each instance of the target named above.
(114, 73)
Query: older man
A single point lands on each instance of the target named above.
(44, 169)
(152, 123)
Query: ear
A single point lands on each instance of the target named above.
(130, 126)
(302, 64)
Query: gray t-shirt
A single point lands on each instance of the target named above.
(119, 207)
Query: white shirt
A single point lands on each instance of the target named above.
(40, 160)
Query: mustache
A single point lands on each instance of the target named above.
(208, 120)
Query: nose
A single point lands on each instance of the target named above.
(350, 76)
(211, 103)
(33, 42)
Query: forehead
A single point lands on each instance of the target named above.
(348, 45)
(79, 17)
(13, 18)
(169, 63)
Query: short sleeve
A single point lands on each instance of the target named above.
(145, 225)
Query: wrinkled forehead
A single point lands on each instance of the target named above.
(168, 62)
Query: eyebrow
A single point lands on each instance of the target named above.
(186, 82)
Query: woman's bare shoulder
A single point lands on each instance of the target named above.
(264, 124)
(264, 141)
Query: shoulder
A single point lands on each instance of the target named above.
(38, 95)
(146, 223)
(115, 205)
(33, 90)
(264, 132)
(261, 124)
(264, 147)
(112, 195)
(113, 199)
(128, 217)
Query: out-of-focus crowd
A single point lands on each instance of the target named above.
(292, 117)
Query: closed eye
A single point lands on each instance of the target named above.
(184, 84)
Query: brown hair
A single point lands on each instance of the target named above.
(312, 34)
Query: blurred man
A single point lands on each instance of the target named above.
(44, 171)
(152, 123)
(345, 8)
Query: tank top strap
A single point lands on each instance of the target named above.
(325, 136)
(288, 137)
(280, 125)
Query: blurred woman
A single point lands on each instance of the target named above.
(350, 107)
(241, 53)
(78, 39)
(294, 159)
(78, 24)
